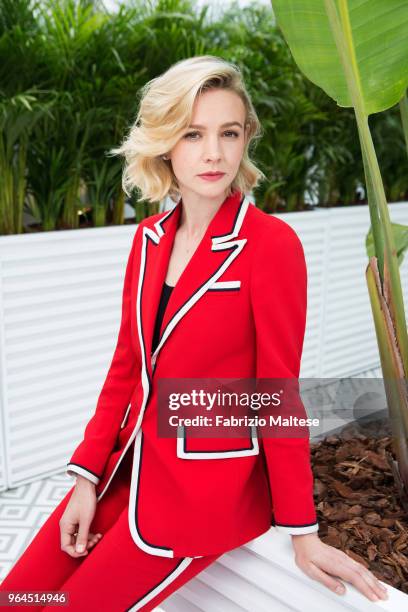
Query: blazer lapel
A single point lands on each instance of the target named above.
(214, 254)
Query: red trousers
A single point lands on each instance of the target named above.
(115, 575)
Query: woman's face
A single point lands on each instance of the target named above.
(214, 142)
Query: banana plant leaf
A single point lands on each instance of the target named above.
(379, 30)
(400, 233)
(357, 52)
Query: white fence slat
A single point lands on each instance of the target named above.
(60, 313)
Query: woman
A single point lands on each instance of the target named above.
(214, 288)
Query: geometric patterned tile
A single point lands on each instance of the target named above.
(23, 511)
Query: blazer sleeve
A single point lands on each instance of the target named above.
(91, 455)
(279, 303)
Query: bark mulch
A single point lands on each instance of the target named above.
(359, 507)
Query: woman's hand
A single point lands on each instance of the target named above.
(77, 518)
(322, 562)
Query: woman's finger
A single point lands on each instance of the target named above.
(332, 583)
(93, 539)
(350, 572)
(68, 535)
(67, 529)
(358, 572)
(353, 566)
(318, 571)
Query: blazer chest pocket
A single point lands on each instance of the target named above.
(233, 286)
(189, 447)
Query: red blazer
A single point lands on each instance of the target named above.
(238, 310)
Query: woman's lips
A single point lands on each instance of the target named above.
(212, 177)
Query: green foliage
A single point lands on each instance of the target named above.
(400, 234)
(70, 77)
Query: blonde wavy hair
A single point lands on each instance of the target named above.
(165, 111)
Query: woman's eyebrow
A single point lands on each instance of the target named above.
(228, 124)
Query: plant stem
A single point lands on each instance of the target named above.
(389, 273)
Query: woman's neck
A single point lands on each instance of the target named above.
(197, 213)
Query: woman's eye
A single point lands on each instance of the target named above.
(193, 135)
(190, 134)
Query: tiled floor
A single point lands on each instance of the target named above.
(23, 511)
